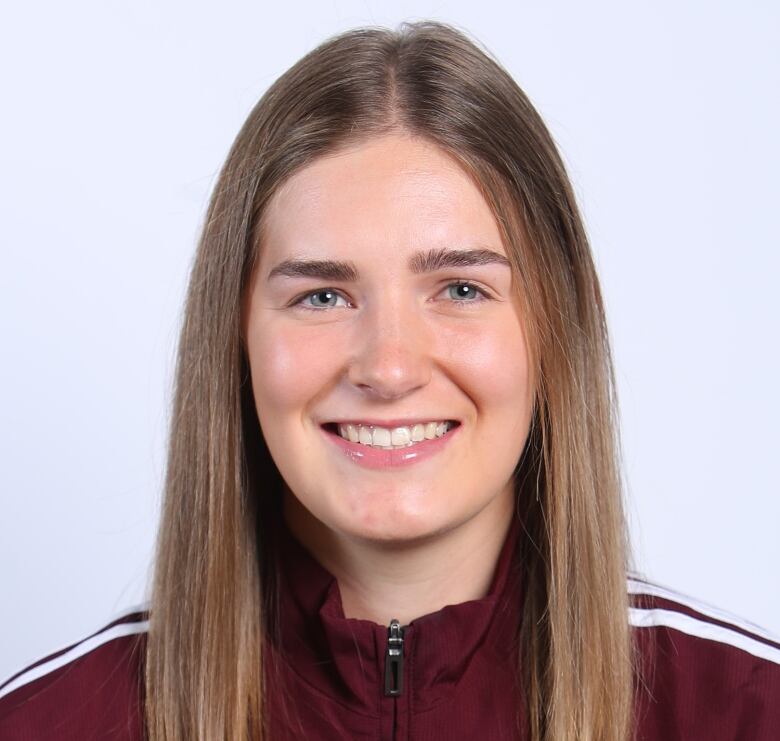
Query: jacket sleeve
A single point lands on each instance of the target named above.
(704, 673)
(90, 690)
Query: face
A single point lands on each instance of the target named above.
(359, 311)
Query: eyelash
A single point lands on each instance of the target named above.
(298, 302)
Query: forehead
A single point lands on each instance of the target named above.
(394, 195)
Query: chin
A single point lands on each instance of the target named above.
(395, 529)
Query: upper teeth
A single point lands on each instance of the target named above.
(397, 437)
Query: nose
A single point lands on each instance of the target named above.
(392, 350)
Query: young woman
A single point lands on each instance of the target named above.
(393, 505)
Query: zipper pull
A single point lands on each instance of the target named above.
(394, 659)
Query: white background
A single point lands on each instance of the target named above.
(116, 117)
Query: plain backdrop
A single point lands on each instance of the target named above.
(116, 117)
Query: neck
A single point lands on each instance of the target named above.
(380, 581)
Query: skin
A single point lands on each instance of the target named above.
(394, 344)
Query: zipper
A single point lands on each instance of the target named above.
(394, 668)
(394, 659)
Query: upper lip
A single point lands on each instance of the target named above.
(389, 423)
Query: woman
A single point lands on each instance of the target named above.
(393, 504)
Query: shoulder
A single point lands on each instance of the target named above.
(703, 672)
(90, 689)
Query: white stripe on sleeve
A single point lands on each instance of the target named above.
(702, 629)
(80, 649)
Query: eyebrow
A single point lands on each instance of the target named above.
(420, 262)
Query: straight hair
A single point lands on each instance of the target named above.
(212, 608)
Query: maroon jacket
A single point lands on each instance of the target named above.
(447, 675)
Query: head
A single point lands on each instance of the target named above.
(373, 156)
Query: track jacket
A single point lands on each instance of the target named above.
(447, 675)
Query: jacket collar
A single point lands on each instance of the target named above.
(345, 657)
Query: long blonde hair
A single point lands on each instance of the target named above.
(204, 662)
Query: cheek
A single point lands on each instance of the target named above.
(288, 368)
(492, 361)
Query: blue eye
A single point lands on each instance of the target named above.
(472, 292)
(324, 294)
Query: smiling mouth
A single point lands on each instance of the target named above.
(384, 438)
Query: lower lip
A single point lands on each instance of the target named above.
(376, 458)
